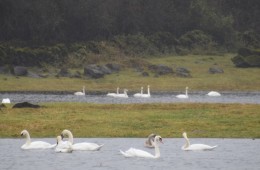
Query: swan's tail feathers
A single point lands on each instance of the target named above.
(124, 153)
(53, 146)
(214, 146)
(100, 146)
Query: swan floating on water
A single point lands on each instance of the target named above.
(122, 95)
(195, 147)
(113, 94)
(150, 141)
(63, 147)
(79, 93)
(35, 144)
(139, 94)
(84, 146)
(6, 101)
(132, 152)
(183, 96)
(214, 93)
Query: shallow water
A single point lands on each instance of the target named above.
(237, 154)
(198, 97)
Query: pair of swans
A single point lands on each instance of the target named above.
(36, 144)
(79, 93)
(183, 96)
(143, 94)
(119, 95)
(132, 152)
(195, 147)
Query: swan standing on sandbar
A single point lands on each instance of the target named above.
(149, 143)
(113, 94)
(132, 152)
(63, 147)
(139, 94)
(214, 94)
(79, 93)
(84, 146)
(122, 95)
(183, 96)
(195, 147)
(35, 144)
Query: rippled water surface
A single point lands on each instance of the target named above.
(198, 97)
(231, 154)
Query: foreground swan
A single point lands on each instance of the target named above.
(35, 144)
(150, 141)
(122, 95)
(195, 147)
(132, 152)
(79, 93)
(183, 96)
(63, 147)
(84, 146)
(214, 93)
(113, 94)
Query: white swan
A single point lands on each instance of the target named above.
(150, 141)
(122, 95)
(6, 101)
(132, 152)
(214, 94)
(35, 144)
(113, 94)
(84, 146)
(79, 93)
(63, 147)
(195, 147)
(139, 94)
(183, 96)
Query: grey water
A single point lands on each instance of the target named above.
(196, 97)
(231, 154)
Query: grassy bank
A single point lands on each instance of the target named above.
(134, 120)
(235, 79)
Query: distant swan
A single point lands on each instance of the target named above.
(113, 94)
(84, 146)
(183, 96)
(214, 93)
(63, 147)
(122, 95)
(139, 94)
(6, 101)
(132, 152)
(150, 141)
(79, 93)
(35, 144)
(195, 147)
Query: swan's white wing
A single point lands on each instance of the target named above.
(111, 94)
(64, 147)
(86, 146)
(37, 145)
(182, 96)
(132, 152)
(197, 147)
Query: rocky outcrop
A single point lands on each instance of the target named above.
(20, 71)
(247, 58)
(161, 69)
(25, 105)
(215, 70)
(182, 72)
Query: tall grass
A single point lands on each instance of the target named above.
(134, 120)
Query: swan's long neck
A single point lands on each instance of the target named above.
(28, 138)
(186, 93)
(117, 90)
(148, 90)
(141, 90)
(83, 90)
(70, 136)
(157, 150)
(187, 144)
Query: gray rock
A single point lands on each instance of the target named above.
(4, 70)
(20, 71)
(183, 72)
(114, 67)
(215, 70)
(161, 69)
(145, 74)
(93, 71)
(64, 72)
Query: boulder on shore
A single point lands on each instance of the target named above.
(25, 105)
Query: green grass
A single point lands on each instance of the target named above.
(134, 120)
(235, 79)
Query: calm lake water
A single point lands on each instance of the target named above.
(231, 154)
(198, 97)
